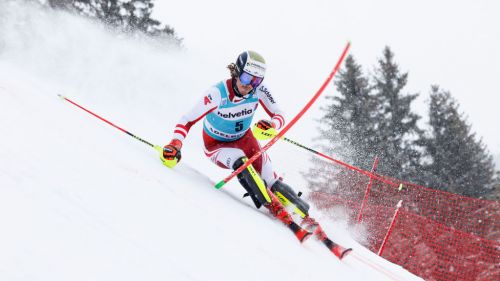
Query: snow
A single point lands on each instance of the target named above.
(81, 200)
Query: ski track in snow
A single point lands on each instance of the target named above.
(80, 200)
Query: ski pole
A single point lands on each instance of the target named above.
(156, 147)
(371, 175)
(292, 142)
(287, 127)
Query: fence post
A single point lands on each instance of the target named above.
(365, 198)
(400, 203)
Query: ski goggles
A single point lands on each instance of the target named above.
(247, 79)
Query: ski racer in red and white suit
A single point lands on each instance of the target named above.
(227, 110)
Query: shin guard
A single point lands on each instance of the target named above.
(253, 184)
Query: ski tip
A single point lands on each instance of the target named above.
(220, 184)
(305, 237)
(341, 252)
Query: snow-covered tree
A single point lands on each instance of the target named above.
(124, 15)
(345, 129)
(395, 122)
(495, 193)
(455, 160)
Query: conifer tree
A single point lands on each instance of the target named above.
(345, 128)
(395, 123)
(124, 15)
(60, 4)
(455, 160)
(495, 193)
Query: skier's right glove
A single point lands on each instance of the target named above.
(264, 130)
(171, 154)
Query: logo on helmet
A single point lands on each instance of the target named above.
(255, 68)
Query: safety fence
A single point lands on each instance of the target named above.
(436, 235)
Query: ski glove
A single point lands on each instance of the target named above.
(171, 154)
(264, 130)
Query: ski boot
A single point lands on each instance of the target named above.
(261, 196)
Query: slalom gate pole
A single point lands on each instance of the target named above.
(287, 127)
(156, 147)
(391, 226)
(367, 191)
(366, 173)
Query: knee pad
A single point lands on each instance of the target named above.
(287, 196)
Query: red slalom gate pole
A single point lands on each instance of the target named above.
(294, 120)
(382, 247)
(374, 169)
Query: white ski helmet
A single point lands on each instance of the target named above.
(252, 63)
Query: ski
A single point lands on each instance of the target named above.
(335, 248)
(299, 232)
(338, 250)
(278, 211)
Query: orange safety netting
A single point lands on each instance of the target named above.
(437, 235)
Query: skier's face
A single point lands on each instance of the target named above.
(243, 89)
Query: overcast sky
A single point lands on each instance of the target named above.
(454, 44)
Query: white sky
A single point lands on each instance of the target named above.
(454, 44)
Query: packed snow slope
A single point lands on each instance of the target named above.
(80, 200)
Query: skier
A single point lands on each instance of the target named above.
(227, 109)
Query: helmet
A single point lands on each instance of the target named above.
(252, 63)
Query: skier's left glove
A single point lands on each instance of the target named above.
(171, 154)
(264, 129)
